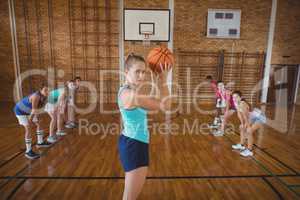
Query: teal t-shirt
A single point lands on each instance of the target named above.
(135, 122)
(54, 95)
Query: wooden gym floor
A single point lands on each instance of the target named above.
(85, 165)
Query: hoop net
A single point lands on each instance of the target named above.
(147, 39)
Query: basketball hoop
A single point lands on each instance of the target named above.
(146, 39)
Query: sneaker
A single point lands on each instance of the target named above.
(216, 121)
(31, 155)
(238, 147)
(61, 133)
(51, 139)
(218, 133)
(220, 123)
(71, 125)
(44, 144)
(68, 126)
(246, 153)
(213, 126)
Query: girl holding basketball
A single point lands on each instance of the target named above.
(134, 141)
(250, 123)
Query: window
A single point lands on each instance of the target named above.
(232, 31)
(228, 15)
(213, 31)
(219, 15)
(223, 23)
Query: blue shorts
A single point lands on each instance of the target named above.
(133, 153)
(257, 117)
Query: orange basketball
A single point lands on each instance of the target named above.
(159, 56)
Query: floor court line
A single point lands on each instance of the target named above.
(264, 168)
(149, 177)
(273, 188)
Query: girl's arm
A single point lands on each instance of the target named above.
(227, 97)
(35, 106)
(245, 114)
(62, 102)
(241, 118)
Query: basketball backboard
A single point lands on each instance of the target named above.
(151, 23)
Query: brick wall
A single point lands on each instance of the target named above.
(189, 33)
(6, 57)
(191, 19)
(190, 25)
(286, 48)
(45, 40)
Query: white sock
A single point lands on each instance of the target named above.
(28, 144)
(222, 118)
(215, 120)
(40, 134)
